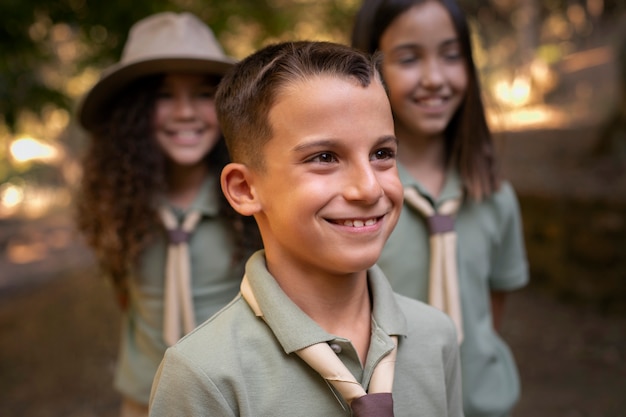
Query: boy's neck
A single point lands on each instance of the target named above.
(340, 305)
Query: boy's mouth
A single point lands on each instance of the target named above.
(357, 222)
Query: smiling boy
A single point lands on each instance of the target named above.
(310, 132)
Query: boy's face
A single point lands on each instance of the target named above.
(329, 191)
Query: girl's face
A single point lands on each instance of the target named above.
(185, 121)
(424, 69)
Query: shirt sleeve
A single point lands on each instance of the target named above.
(180, 388)
(510, 266)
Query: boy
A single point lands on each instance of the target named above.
(310, 131)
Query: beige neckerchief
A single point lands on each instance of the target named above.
(321, 357)
(443, 288)
(178, 299)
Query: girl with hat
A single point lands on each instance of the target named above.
(150, 204)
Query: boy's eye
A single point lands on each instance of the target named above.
(385, 153)
(323, 157)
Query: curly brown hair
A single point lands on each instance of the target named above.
(124, 175)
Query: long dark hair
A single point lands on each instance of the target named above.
(469, 143)
(123, 177)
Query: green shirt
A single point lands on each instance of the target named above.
(215, 281)
(491, 256)
(237, 364)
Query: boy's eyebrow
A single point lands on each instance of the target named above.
(314, 144)
(388, 138)
(330, 142)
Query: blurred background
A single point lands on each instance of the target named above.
(554, 80)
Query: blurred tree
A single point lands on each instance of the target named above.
(612, 140)
(44, 43)
(29, 37)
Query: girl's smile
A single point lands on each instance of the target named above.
(424, 69)
(186, 126)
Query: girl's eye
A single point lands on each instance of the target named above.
(452, 55)
(164, 95)
(407, 59)
(207, 93)
(385, 153)
(452, 51)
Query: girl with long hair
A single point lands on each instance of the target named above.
(150, 203)
(458, 244)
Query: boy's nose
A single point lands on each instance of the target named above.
(363, 185)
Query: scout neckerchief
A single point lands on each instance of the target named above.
(443, 288)
(377, 403)
(178, 302)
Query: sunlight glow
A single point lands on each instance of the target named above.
(27, 149)
(31, 201)
(533, 117)
(11, 195)
(11, 199)
(514, 94)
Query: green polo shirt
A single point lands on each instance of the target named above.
(237, 364)
(215, 281)
(490, 256)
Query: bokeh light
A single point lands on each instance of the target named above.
(26, 149)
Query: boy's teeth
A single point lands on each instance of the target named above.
(359, 223)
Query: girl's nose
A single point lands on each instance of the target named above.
(432, 76)
(184, 106)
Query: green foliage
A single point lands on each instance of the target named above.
(27, 46)
(33, 72)
(29, 39)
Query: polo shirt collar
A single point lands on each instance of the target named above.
(452, 186)
(294, 329)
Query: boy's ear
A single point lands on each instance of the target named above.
(237, 187)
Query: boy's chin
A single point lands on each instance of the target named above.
(361, 263)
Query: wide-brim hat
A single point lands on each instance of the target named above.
(161, 43)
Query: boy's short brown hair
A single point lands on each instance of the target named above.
(249, 91)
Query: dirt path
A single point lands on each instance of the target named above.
(572, 359)
(58, 348)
